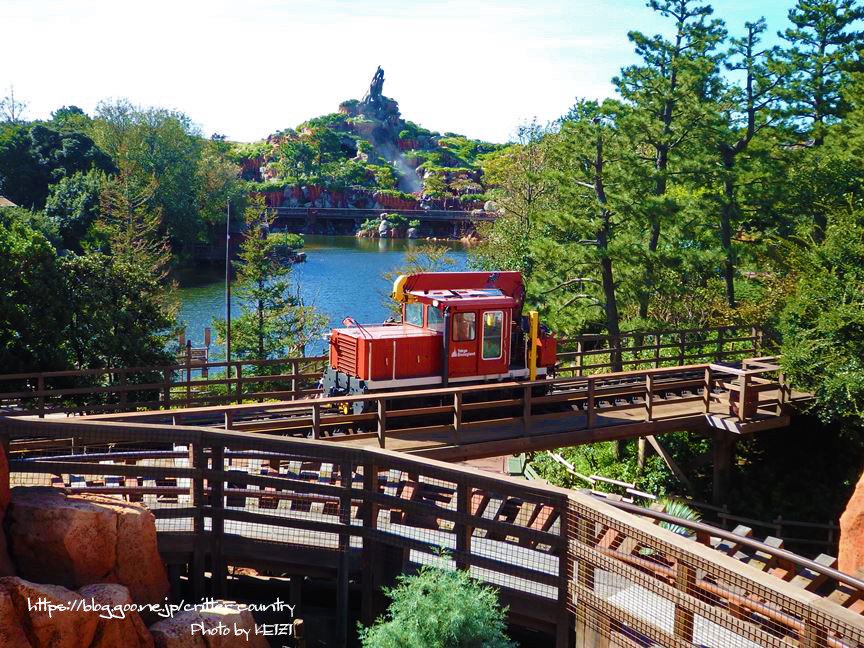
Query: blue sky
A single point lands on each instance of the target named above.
(247, 68)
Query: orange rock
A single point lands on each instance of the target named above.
(49, 629)
(177, 632)
(129, 631)
(11, 628)
(77, 540)
(851, 558)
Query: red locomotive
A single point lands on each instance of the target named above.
(456, 328)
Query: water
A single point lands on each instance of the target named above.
(342, 276)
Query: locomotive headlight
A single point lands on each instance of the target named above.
(435, 303)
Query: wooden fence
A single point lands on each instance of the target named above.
(563, 561)
(589, 354)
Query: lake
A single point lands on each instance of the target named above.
(342, 276)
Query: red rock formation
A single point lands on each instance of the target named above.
(851, 558)
(78, 540)
(176, 632)
(24, 626)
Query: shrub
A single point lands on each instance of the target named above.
(439, 609)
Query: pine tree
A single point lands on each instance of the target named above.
(672, 90)
(823, 49)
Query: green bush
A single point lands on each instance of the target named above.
(439, 609)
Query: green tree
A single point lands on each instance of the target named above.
(747, 111)
(117, 314)
(672, 91)
(274, 322)
(822, 49)
(31, 311)
(439, 609)
(73, 205)
(823, 323)
(522, 191)
(160, 144)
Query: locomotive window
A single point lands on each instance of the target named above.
(434, 319)
(464, 327)
(414, 314)
(493, 330)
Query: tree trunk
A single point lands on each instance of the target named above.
(727, 214)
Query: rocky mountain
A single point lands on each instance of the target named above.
(367, 156)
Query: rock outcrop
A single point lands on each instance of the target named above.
(851, 558)
(77, 540)
(177, 632)
(26, 621)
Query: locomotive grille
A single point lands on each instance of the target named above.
(346, 354)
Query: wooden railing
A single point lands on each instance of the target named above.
(455, 414)
(590, 354)
(564, 559)
(194, 383)
(158, 387)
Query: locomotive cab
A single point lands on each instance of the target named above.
(456, 328)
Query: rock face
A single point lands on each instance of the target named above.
(851, 558)
(23, 627)
(177, 632)
(77, 540)
(127, 631)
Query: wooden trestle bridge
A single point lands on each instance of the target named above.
(296, 488)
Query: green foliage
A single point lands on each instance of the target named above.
(823, 323)
(439, 609)
(76, 311)
(274, 321)
(608, 460)
(161, 144)
(74, 205)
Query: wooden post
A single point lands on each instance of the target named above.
(196, 577)
(239, 383)
(685, 581)
(229, 419)
(562, 629)
(657, 349)
(742, 397)
(592, 627)
(217, 523)
(649, 397)
(723, 450)
(344, 548)
(316, 420)
(706, 395)
(457, 418)
(382, 422)
(167, 402)
(590, 405)
(720, 344)
(526, 409)
(580, 359)
(124, 396)
(295, 369)
(463, 530)
(188, 373)
(370, 523)
(682, 348)
(40, 391)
